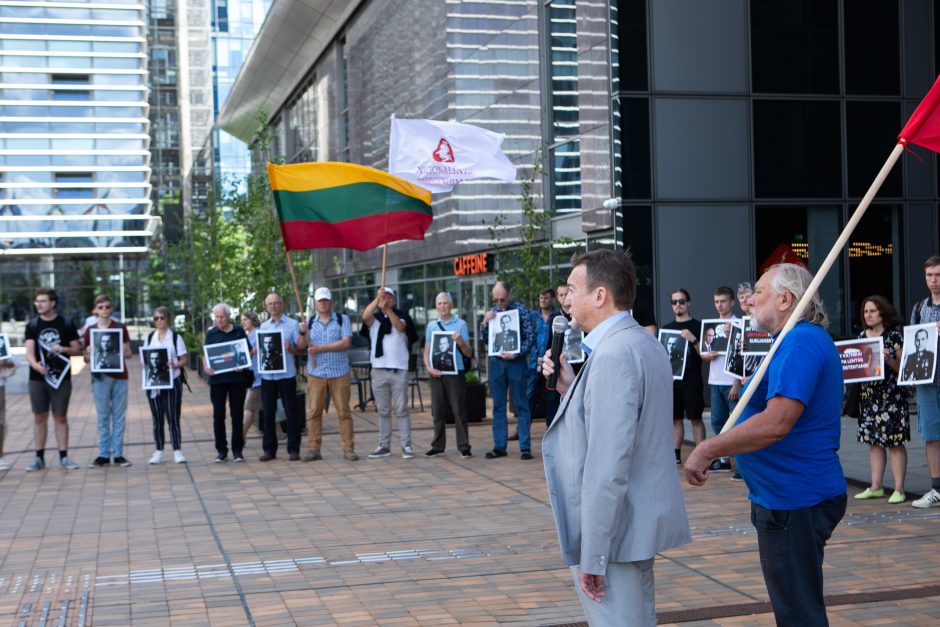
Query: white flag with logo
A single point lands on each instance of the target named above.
(438, 155)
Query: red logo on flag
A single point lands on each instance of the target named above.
(443, 153)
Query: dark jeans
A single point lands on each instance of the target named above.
(286, 390)
(449, 390)
(791, 545)
(235, 393)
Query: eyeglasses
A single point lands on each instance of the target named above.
(105, 306)
(155, 318)
(679, 301)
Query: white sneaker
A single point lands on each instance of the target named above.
(178, 457)
(156, 458)
(4, 465)
(931, 499)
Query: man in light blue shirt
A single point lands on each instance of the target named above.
(448, 388)
(284, 385)
(328, 371)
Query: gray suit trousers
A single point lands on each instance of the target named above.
(629, 599)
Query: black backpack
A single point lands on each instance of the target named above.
(183, 369)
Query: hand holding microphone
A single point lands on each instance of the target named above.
(557, 372)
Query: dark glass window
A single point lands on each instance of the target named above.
(871, 259)
(638, 237)
(566, 178)
(631, 36)
(872, 47)
(795, 46)
(797, 149)
(871, 128)
(635, 147)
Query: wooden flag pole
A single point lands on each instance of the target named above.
(804, 302)
(384, 261)
(293, 278)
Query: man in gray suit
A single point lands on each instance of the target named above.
(608, 452)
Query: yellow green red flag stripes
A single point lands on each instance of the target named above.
(344, 205)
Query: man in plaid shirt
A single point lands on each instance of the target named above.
(328, 370)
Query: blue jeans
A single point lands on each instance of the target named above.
(110, 397)
(722, 406)
(928, 412)
(513, 375)
(791, 544)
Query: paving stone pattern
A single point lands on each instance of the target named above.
(379, 542)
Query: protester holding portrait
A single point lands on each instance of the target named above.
(166, 406)
(250, 323)
(226, 386)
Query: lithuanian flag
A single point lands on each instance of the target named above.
(343, 205)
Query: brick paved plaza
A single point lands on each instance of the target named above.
(384, 542)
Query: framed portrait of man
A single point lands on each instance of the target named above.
(271, 358)
(678, 350)
(863, 359)
(734, 354)
(919, 361)
(156, 368)
(714, 335)
(107, 350)
(227, 356)
(504, 335)
(574, 353)
(5, 347)
(57, 365)
(755, 342)
(444, 353)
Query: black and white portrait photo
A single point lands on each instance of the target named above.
(107, 350)
(504, 333)
(227, 356)
(734, 355)
(677, 348)
(920, 350)
(444, 353)
(156, 371)
(271, 353)
(574, 352)
(714, 335)
(4, 347)
(56, 364)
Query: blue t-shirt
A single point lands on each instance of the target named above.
(803, 468)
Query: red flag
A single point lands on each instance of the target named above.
(923, 128)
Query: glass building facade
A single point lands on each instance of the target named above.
(75, 207)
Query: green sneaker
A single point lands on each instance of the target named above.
(870, 494)
(897, 497)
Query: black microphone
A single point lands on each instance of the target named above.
(559, 326)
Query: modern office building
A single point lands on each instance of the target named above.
(75, 209)
(734, 133)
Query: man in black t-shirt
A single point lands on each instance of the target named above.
(57, 338)
(688, 397)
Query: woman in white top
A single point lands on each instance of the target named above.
(166, 405)
(250, 323)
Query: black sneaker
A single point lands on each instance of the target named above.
(238, 457)
(434, 453)
(99, 462)
(526, 454)
(379, 452)
(220, 458)
(122, 462)
(466, 454)
(496, 452)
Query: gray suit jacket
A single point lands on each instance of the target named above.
(609, 457)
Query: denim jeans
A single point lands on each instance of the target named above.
(722, 406)
(514, 375)
(110, 397)
(791, 544)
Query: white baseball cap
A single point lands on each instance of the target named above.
(389, 290)
(322, 293)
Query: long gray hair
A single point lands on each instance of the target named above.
(795, 279)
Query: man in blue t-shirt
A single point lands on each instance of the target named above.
(787, 445)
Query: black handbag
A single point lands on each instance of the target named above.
(850, 406)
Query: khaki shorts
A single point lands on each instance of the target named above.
(44, 397)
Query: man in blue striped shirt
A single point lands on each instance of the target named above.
(328, 371)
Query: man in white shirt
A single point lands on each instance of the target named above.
(725, 389)
(389, 333)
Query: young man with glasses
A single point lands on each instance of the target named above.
(688, 394)
(55, 335)
(109, 389)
